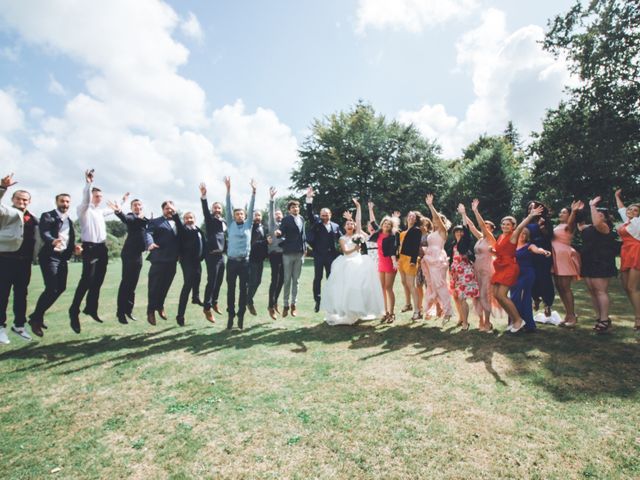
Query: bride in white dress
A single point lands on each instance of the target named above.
(352, 291)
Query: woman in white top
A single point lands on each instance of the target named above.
(630, 254)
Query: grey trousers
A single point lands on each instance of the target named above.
(292, 263)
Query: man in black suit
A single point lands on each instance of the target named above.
(215, 227)
(131, 256)
(322, 236)
(257, 256)
(162, 242)
(294, 245)
(192, 250)
(58, 235)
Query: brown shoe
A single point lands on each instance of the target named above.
(208, 314)
(217, 309)
(252, 310)
(285, 312)
(272, 313)
(151, 318)
(163, 314)
(293, 310)
(36, 327)
(275, 307)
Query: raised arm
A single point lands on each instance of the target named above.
(466, 221)
(252, 203)
(372, 216)
(485, 231)
(622, 210)
(311, 217)
(435, 216)
(86, 193)
(227, 207)
(571, 221)
(5, 183)
(206, 212)
(598, 222)
(358, 219)
(272, 211)
(527, 220)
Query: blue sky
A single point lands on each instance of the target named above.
(157, 96)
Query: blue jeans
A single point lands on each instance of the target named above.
(521, 296)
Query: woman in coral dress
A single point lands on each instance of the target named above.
(566, 261)
(506, 268)
(435, 264)
(630, 254)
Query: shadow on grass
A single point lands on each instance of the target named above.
(570, 365)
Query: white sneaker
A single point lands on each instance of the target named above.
(3, 336)
(22, 332)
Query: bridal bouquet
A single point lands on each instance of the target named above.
(357, 239)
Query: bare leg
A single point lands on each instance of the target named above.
(389, 279)
(600, 288)
(411, 280)
(463, 312)
(563, 284)
(406, 287)
(594, 296)
(631, 284)
(381, 276)
(500, 292)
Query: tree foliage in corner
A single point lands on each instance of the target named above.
(590, 144)
(360, 154)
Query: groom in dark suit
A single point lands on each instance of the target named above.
(322, 235)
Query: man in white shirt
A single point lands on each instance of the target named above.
(93, 231)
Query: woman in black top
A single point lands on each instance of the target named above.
(599, 250)
(408, 261)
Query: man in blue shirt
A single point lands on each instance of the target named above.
(238, 249)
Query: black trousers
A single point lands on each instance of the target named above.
(131, 266)
(160, 279)
(14, 273)
(54, 272)
(191, 273)
(215, 275)
(237, 272)
(94, 267)
(255, 279)
(277, 278)
(321, 265)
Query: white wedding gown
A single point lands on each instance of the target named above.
(353, 290)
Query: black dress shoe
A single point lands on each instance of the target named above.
(36, 327)
(43, 325)
(240, 322)
(317, 307)
(230, 322)
(252, 310)
(75, 322)
(180, 320)
(197, 301)
(93, 315)
(122, 319)
(131, 317)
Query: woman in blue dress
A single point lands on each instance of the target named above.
(521, 292)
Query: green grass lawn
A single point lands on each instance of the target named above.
(295, 398)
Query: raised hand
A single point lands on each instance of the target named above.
(203, 189)
(7, 181)
(88, 175)
(429, 199)
(125, 197)
(253, 185)
(595, 201)
(355, 202)
(461, 210)
(370, 204)
(227, 183)
(577, 205)
(310, 192)
(272, 193)
(618, 193)
(113, 205)
(536, 212)
(347, 215)
(474, 204)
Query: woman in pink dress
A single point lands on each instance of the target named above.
(566, 261)
(387, 240)
(435, 264)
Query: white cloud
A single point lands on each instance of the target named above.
(512, 77)
(191, 27)
(142, 125)
(56, 87)
(11, 116)
(411, 15)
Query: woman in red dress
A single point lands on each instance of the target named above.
(505, 264)
(630, 254)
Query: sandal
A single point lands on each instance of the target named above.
(408, 307)
(602, 326)
(391, 318)
(416, 316)
(385, 317)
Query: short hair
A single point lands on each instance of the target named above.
(292, 203)
(239, 210)
(216, 203)
(135, 200)
(20, 191)
(95, 189)
(62, 195)
(167, 202)
(325, 209)
(188, 213)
